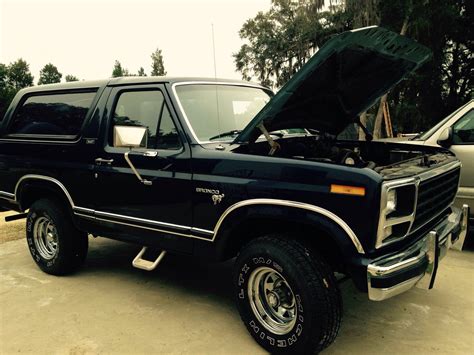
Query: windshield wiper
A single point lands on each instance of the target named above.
(226, 134)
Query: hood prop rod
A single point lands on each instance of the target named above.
(368, 136)
(274, 146)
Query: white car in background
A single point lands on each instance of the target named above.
(456, 133)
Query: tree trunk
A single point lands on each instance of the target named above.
(378, 119)
(363, 120)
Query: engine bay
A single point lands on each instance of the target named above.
(385, 158)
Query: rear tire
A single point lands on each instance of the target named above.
(287, 296)
(55, 244)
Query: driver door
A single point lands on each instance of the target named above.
(123, 203)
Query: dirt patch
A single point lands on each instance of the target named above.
(11, 230)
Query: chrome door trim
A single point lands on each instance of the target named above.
(100, 215)
(319, 210)
(148, 228)
(143, 220)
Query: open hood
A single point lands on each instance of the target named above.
(342, 80)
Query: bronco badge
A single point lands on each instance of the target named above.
(216, 195)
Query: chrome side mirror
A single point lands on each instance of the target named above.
(131, 137)
(445, 139)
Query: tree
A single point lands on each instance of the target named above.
(141, 72)
(70, 77)
(49, 75)
(157, 64)
(6, 91)
(118, 70)
(13, 78)
(19, 75)
(278, 42)
(3, 75)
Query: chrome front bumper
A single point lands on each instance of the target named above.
(417, 265)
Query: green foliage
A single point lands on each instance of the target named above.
(19, 75)
(49, 75)
(13, 78)
(157, 63)
(278, 42)
(141, 72)
(70, 78)
(118, 70)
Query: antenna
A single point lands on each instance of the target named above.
(214, 51)
(215, 78)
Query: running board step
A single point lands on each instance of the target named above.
(147, 265)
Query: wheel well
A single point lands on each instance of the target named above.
(32, 191)
(312, 236)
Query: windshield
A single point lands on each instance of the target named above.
(431, 131)
(218, 111)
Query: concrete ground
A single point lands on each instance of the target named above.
(186, 307)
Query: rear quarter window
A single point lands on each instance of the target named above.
(61, 114)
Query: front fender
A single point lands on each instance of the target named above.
(291, 212)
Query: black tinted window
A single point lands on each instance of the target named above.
(463, 130)
(140, 108)
(168, 135)
(58, 114)
(144, 108)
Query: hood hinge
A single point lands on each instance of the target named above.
(274, 146)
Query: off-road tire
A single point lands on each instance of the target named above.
(71, 244)
(318, 299)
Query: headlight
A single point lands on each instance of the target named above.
(391, 201)
(397, 210)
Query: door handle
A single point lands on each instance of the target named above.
(100, 161)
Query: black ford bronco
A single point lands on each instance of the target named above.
(222, 169)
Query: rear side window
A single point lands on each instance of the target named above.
(52, 115)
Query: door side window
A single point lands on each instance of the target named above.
(463, 130)
(168, 137)
(139, 108)
(147, 109)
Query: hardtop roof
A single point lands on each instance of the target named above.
(129, 80)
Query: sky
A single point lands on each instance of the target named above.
(84, 37)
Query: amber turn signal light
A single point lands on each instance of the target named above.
(347, 190)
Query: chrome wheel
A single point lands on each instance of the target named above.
(272, 300)
(45, 237)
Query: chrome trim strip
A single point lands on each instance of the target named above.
(301, 205)
(80, 211)
(143, 220)
(47, 178)
(84, 210)
(32, 140)
(438, 171)
(202, 230)
(7, 195)
(183, 113)
(150, 228)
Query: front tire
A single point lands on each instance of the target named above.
(287, 296)
(57, 247)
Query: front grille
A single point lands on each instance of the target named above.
(434, 196)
